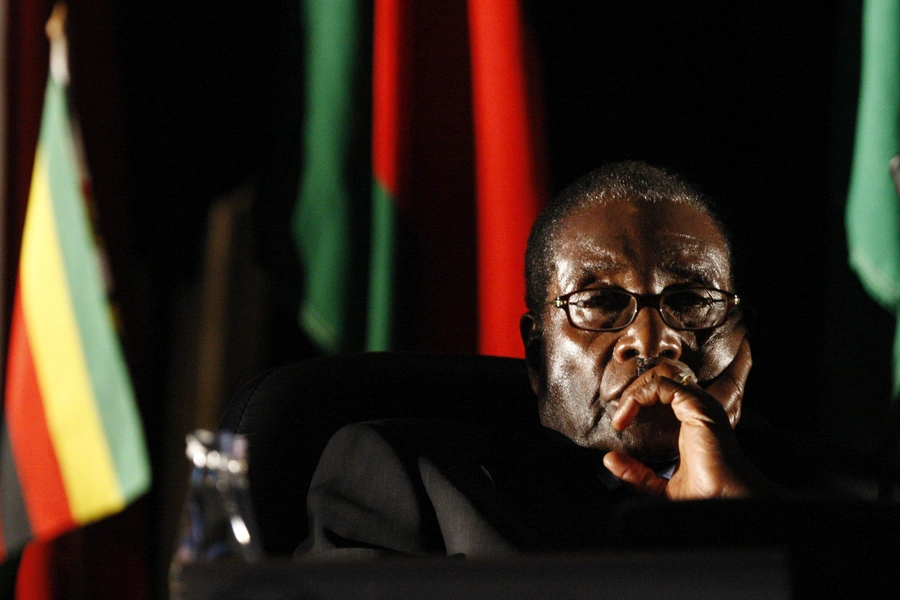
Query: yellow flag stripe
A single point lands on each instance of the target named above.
(73, 420)
(83, 265)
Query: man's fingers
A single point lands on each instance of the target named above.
(675, 384)
(728, 388)
(689, 403)
(634, 473)
(651, 388)
(625, 413)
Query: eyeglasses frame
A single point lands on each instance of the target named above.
(649, 301)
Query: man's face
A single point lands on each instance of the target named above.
(643, 248)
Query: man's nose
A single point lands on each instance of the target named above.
(648, 336)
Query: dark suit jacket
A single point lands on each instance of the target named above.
(421, 486)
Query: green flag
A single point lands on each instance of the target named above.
(873, 207)
(322, 217)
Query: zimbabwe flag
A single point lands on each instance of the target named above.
(71, 446)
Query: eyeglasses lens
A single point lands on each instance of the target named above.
(694, 309)
(601, 309)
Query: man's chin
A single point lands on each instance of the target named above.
(648, 440)
(648, 453)
(652, 455)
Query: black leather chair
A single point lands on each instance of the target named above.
(289, 413)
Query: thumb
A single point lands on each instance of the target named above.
(634, 473)
(728, 388)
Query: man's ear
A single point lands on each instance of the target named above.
(531, 337)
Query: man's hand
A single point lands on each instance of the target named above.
(711, 463)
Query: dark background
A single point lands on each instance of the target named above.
(181, 103)
(754, 102)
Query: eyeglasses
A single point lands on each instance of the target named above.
(607, 309)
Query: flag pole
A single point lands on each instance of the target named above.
(5, 189)
(59, 47)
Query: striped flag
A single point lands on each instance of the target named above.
(419, 119)
(506, 157)
(390, 130)
(71, 446)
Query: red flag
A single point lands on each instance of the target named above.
(508, 177)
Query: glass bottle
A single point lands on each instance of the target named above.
(218, 523)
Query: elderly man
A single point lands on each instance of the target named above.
(636, 350)
(633, 337)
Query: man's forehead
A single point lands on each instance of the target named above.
(672, 242)
(708, 268)
(687, 255)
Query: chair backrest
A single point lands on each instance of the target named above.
(289, 414)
